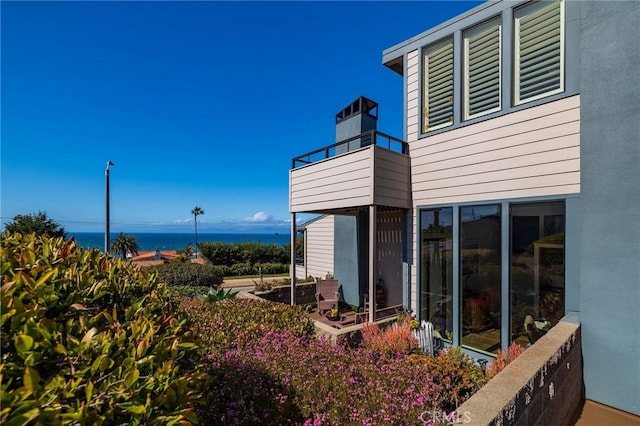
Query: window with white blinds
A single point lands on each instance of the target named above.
(437, 106)
(482, 69)
(539, 51)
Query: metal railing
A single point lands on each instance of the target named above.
(372, 137)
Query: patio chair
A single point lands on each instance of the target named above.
(425, 337)
(326, 294)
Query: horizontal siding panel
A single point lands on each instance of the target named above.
(321, 235)
(520, 184)
(384, 156)
(566, 134)
(323, 203)
(413, 103)
(341, 181)
(392, 193)
(412, 116)
(487, 162)
(412, 130)
(319, 246)
(499, 195)
(360, 170)
(395, 178)
(393, 202)
(527, 153)
(412, 86)
(412, 58)
(320, 249)
(354, 188)
(549, 110)
(561, 124)
(500, 149)
(561, 170)
(324, 166)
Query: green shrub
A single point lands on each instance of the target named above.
(88, 339)
(188, 291)
(242, 269)
(187, 273)
(252, 253)
(457, 373)
(271, 268)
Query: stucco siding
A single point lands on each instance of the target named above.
(533, 152)
(319, 247)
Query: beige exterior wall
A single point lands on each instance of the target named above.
(528, 153)
(391, 179)
(344, 180)
(367, 176)
(319, 247)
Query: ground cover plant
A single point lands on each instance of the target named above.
(265, 366)
(89, 339)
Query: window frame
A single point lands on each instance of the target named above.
(467, 33)
(424, 95)
(518, 14)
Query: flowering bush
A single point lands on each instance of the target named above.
(503, 359)
(263, 366)
(226, 324)
(283, 378)
(397, 339)
(457, 373)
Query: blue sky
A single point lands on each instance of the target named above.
(197, 104)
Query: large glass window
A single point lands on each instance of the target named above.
(436, 267)
(437, 103)
(537, 269)
(481, 276)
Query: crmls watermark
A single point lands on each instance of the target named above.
(439, 418)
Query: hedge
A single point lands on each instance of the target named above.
(228, 254)
(187, 273)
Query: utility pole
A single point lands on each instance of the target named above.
(107, 219)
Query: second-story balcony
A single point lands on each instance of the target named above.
(369, 169)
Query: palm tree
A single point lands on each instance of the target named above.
(125, 244)
(197, 211)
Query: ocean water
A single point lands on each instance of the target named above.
(173, 241)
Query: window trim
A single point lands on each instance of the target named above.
(506, 203)
(424, 99)
(518, 14)
(466, 34)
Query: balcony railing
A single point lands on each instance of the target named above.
(372, 137)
